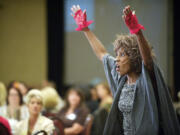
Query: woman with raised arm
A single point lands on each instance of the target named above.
(142, 104)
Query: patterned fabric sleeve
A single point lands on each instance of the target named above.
(112, 75)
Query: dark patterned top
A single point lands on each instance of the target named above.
(125, 105)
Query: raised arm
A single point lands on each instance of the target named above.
(135, 28)
(96, 45)
(80, 18)
(145, 50)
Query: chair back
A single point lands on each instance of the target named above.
(41, 132)
(59, 127)
(3, 130)
(88, 125)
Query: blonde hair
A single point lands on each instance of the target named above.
(34, 93)
(105, 86)
(50, 98)
(3, 94)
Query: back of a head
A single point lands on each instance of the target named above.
(85, 88)
(50, 98)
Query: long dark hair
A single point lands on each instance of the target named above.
(76, 89)
(19, 94)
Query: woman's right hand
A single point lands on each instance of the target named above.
(80, 17)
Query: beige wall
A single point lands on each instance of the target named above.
(23, 41)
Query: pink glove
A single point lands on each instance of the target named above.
(80, 18)
(132, 23)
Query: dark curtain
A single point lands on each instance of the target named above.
(55, 24)
(176, 47)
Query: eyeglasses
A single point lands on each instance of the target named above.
(13, 95)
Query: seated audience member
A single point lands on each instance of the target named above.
(3, 94)
(5, 128)
(52, 101)
(74, 114)
(36, 122)
(47, 83)
(14, 110)
(21, 86)
(101, 113)
(104, 93)
(94, 93)
(91, 98)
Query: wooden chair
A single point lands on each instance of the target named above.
(59, 127)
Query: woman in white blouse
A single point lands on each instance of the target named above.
(36, 122)
(14, 110)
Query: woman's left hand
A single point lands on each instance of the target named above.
(131, 20)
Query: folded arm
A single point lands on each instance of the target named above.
(74, 130)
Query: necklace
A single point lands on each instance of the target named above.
(128, 82)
